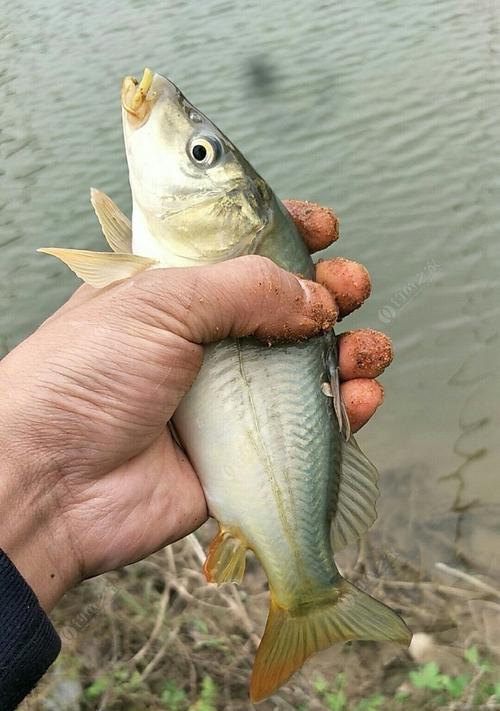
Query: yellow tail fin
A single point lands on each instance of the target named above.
(291, 636)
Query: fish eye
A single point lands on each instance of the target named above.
(204, 150)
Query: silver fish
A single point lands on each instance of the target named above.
(265, 428)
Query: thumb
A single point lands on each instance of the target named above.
(241, 297)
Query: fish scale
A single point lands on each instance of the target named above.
(295, 438)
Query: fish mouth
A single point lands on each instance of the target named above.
(136, 98)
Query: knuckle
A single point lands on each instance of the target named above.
(263, 267)
(264, 281)
(160, 295)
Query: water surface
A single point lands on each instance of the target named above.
(388, 111)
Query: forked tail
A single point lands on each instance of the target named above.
(291, 636)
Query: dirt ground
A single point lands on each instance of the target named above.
(156, 636)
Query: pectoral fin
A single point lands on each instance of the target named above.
(116, 226)
(338, 403)
(225, 561)
(100, 269)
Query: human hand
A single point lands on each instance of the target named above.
(364, 354)
(91, 478)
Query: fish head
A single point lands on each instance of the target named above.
(194, 193)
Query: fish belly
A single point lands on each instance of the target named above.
(260, 434)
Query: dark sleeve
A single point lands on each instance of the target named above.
(28, 641)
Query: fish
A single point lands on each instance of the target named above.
(264, 427)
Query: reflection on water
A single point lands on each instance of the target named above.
(262, 75)
(387, 111)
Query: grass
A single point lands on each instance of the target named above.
(426, 687)
(156, 636)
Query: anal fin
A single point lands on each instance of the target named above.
(100, 269)
(225, 561)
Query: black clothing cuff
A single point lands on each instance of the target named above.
(28, 641)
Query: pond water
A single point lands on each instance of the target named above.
(387, 111)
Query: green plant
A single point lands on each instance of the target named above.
(97, 688)
(173, 697)
(427, 685)
(336, 699)
(427, 677)
(208, 696)
(373, 703)
(472, 656)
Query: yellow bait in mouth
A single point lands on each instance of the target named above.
(134, 95)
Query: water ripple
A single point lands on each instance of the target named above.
(388, 111)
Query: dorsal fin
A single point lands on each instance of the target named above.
(116, 226)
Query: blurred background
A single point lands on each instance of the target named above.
(388, 112)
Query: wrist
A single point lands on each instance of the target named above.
(33, 536)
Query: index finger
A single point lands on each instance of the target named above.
(319, 226)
